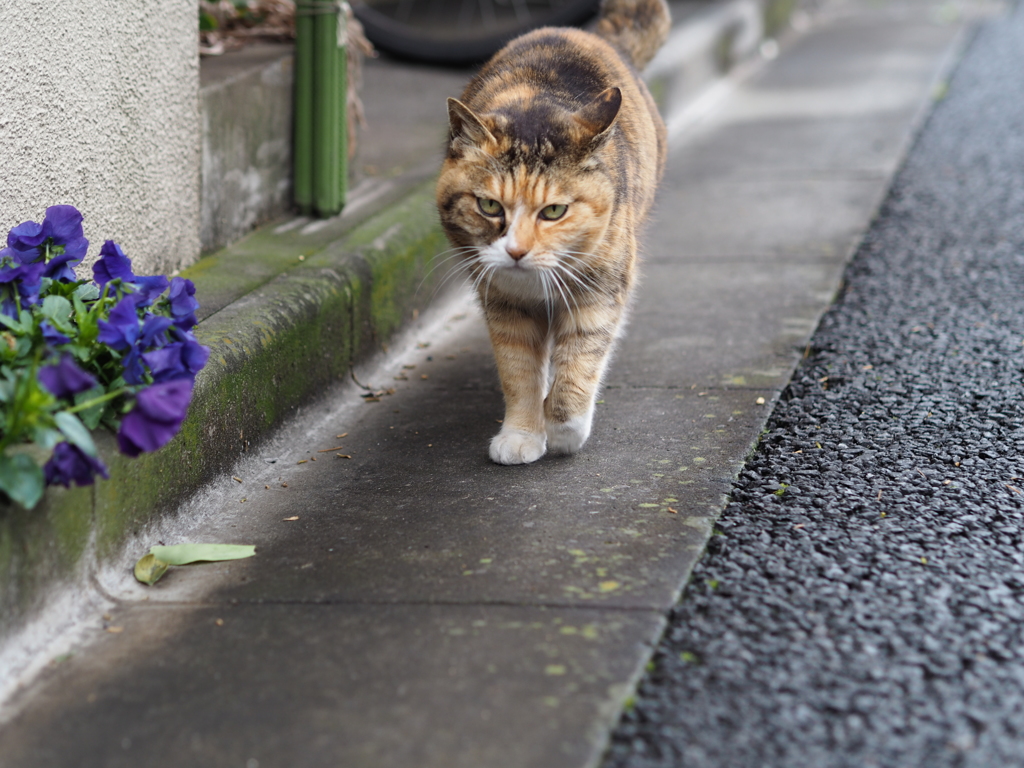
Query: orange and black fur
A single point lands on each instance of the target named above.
(555, 150)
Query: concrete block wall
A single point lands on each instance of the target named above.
(246, 107)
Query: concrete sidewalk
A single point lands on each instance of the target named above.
(415, 605)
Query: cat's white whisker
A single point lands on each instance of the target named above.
(585, 280)
(459, 271)
(449, 255)
(567, 288)
(548, 301)
(565, 294)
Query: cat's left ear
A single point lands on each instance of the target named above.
(597, 117)
(465, 129)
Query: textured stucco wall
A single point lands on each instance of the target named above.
(99, 109)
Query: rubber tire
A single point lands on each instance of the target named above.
(407, 42)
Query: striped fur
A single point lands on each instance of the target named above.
(555, 151)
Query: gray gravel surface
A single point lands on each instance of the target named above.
(863, 601)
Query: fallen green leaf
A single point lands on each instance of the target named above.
(183, 554)
(149, 570)
(155, 564)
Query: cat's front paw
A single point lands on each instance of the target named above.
(514, 446)
(569, 436)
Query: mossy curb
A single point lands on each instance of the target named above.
(272, 349)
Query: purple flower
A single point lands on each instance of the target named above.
(25, 279)
(27, 237)
(121, 330)
(156, 417)
(134, 370)
(154, 331)
(63, 223)
(52, 336)
(146, 289)
(180, 360)
(70, 464)
(62, 267)
(112, 265)
(62, 229)
(65, 378)
(183, 302)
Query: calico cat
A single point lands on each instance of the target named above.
(554, 153)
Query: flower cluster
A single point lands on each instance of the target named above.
(117, 351)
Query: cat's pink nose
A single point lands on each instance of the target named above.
(516, 251)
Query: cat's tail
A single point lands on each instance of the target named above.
(638, 28)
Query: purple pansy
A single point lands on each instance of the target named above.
(134, 370)
(146, 289)
(65, 378)
(69, 464)
(52, 336)
(62, 267)
(26, 279)
(63, 223)
(121, 330)
(156, 418)
(62, 228)
(154, 331)
(27, 237)
(183, 359)
(112, 265)
(183, 302)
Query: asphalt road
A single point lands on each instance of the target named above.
(863, 601)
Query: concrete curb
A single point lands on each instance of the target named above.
(285, 312)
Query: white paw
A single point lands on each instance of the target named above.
(513, 446)
(570, 436)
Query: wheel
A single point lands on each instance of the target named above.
(460, 31)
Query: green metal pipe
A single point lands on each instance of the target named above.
(321, 166)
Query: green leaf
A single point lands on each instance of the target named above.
(46, 438)
(91, 416)
(88, 292)
(75, 432)
(21, 479)
(149, 569)
(182, 554)
(14, 325)
(58, 310)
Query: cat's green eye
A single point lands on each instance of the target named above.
(489, 207)
(553, 212)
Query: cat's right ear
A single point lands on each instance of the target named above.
(465, 129)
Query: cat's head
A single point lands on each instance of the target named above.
(525, 187)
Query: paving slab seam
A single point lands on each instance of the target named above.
(603, 607)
